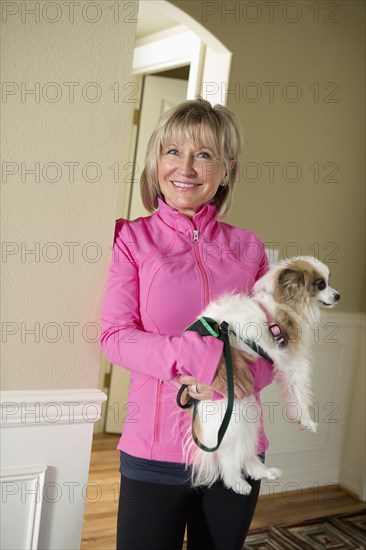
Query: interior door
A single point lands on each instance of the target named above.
(159, 95)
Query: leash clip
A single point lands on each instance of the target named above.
(224, 327)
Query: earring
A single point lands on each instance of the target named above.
(223, 184)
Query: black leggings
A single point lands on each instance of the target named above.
(153, 516)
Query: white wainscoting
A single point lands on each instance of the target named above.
(46, 439)
(313, 460)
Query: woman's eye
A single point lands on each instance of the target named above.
(204, 155)
(172, 151)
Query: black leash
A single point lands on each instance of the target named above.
(208, 327)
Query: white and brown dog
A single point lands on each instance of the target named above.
(289, 297)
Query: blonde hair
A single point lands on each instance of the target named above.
(216, 127)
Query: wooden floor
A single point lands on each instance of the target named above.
(103, 491)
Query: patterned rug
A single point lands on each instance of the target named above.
(332, 532)
(346, 531)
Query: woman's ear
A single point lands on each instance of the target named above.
(232, 165)
(228, 169)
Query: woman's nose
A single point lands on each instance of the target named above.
(186, 167)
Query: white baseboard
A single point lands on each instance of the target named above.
(295, 480)
(351, 480)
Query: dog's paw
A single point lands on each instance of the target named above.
(242, 488)
(309, 425)
(273, 473)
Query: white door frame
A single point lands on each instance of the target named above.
(170, 49)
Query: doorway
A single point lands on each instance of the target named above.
(170, 65)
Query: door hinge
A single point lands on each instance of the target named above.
(107, 380)
(136, 117)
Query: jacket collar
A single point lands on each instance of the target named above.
(204, 219)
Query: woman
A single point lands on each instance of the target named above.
(165, 268)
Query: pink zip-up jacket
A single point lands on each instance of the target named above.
(165, 269)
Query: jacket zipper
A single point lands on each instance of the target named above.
(157, 412)
(206, 300)
(196, 235)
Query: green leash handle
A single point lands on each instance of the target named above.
(223, 335)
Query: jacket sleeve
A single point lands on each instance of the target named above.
(127, 344)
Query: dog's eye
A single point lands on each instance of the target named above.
(320, 285)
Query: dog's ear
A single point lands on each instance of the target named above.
(291, 284)
(291, 277)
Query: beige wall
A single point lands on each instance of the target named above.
(61, 297)
(321, 64)
(57, 291)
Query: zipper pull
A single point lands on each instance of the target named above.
(195, 235)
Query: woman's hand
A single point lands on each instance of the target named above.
(195, 389)
(243, 379)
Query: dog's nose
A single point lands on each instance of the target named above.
(337, 296)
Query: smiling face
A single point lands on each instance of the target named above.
(189, 175)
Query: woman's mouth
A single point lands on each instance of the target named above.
(184, 185)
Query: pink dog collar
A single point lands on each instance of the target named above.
(273, 327)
